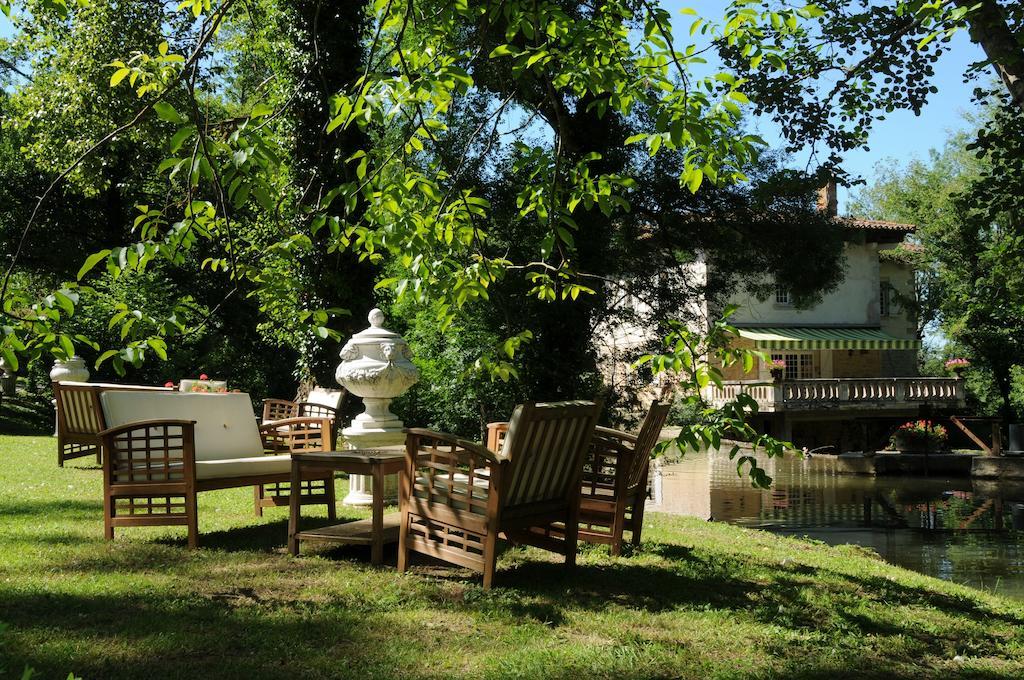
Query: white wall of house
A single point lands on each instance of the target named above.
(853, 303)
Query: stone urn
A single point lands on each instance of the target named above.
(376, 366)
(8, 380)
(72, 370)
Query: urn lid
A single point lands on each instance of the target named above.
(376, 332)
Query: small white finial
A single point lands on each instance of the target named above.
(376, 318)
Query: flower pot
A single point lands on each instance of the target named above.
(777, 374)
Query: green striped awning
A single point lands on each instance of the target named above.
(825, 338)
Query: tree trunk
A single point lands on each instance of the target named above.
(988, 27)
(1004, 383)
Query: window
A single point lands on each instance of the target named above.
(798, 366)
(886, 299)
(782, 295)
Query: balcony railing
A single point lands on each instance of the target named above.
(856, 393)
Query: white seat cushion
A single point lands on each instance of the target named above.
(243, 467)
(225, 425)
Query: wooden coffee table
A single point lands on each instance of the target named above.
(375, 531)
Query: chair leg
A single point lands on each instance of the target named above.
(490, 558)
(60, 452)
(638, 519)
(618, 527)
(332, 509)
(192, 518)
(403, 543)
(572, 532)
(257, 497)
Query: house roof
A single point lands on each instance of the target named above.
(873, 225)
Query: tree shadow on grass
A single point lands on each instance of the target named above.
(67, 509)
(223, 635)
(279, 623)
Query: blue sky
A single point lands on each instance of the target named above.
(902, 135)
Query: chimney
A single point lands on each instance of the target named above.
(828, 199)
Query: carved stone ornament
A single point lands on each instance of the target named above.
(72, 370)
(375, 365)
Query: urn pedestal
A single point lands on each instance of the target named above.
(375, 366)
(72, 370)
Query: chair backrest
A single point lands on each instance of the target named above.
(646, 438)
(225, 426)
(325, 397)
(78, 404)
(545, 446)
(78, 408)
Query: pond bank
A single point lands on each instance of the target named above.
(883, 463)
(962, 528)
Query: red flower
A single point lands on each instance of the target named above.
(168, 384)
(203, 376)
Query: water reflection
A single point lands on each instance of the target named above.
(963, 530)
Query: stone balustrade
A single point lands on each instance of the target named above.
(825, 393)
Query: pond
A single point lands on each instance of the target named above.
(962, 530)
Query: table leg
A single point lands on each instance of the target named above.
(294, 504)
(377, 545)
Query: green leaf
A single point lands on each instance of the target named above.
(10, 357)
(91, 262)
(119, 75)
(179, 138)
(167, 112)
(261, 110)
(103, 357)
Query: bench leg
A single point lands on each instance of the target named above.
(108, 517)
(257, 495)
(192, 518)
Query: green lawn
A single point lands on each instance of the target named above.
(699, 600)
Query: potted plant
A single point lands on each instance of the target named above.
(919, 435)
(957, 366)
(777, 368)
(203, 384)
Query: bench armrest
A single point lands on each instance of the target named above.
(149, 452)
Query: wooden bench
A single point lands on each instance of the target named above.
(162, 448)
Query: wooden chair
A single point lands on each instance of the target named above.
(155, 467)
(458, 496)
(614, 482)
(80, 417)
(319, 403)
(614, 489)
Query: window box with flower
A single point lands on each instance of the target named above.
(777, 368)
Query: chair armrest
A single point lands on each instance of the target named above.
(616, 434)
(607, 463)
(459, 445)
(149, 452)
(308, 409)
(496, 435)
(444, 471)
(297, 434)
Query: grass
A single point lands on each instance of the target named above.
(698, 600)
